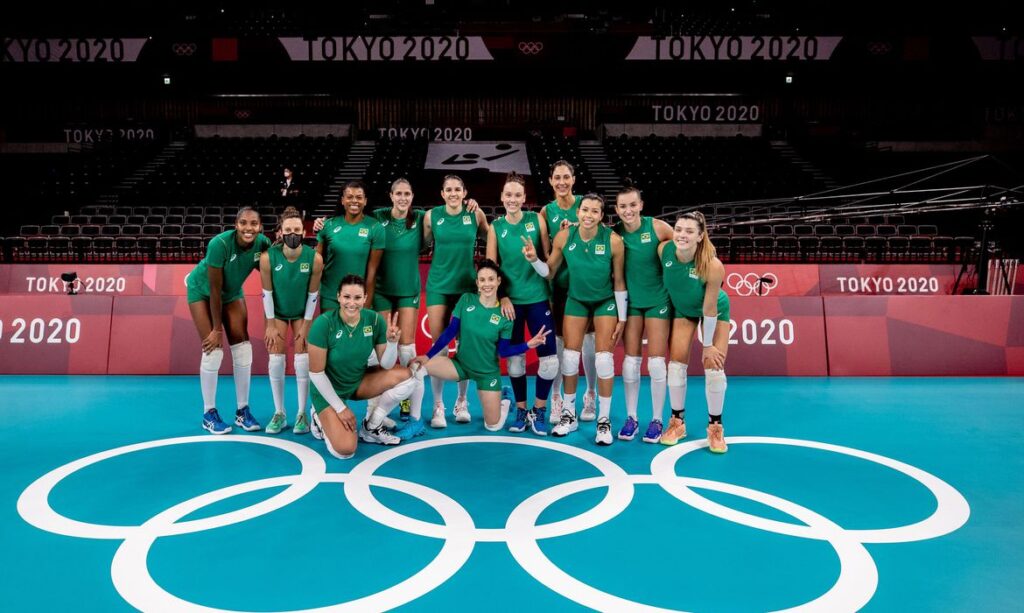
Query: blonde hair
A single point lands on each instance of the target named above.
(706, 251)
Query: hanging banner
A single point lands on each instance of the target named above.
(386, 48)
(497, 157)
(894, 279)
(107, 279)
(732, 48)
(73, 50)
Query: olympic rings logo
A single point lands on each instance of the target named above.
(854, 588)
(752, 283)
(530, 47)
(184, 49)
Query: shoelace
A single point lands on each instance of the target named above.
(566, 418)
(214, 416)
(604, 426)
(521, 414)
(654, 429)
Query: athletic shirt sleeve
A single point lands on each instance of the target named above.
(216, 253)
(505, 331)
(380, 330)
(378, 238)
(322, 236)
(460, 307)
(318, 332)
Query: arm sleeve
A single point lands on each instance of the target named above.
(447, 336)
(506, 349)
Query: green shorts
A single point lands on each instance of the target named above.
(197, 295)
(597, 308)
(328, 304)
(437, 298)
(661, 311)
(320, 403)
(485, 382)
(723, 310)
(385, 302)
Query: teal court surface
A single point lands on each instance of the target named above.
(835, 495)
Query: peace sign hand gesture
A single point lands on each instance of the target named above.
(394, 332)
(528, 249)
(539, 338)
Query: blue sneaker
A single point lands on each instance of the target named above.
(538, 421)
(245, 420)
(629, 429)
(653, 434)
(410, 430)
(213, 424)
(519, 425)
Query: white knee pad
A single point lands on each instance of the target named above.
(570, 362)
(605, 362)
(406, 353)
(547, 368)
(656, 366)
(275, 369)
(714, 380)
(676, 374)
(517, 366)
(630, 368)
(371, 360)
(210, 362)
(241, 354)
(403, 390)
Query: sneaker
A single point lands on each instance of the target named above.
(716, 439)
(589, 407)
(520, 423)
(438, 420)
(389, 423)
(245, 420)
(653, 434)
(628, 431)
(277, 423)
(566, 424)
(461, 411)
(604, 432)
(301, 424)
(213, 424)
(314, 426)
(538, 423)
(675, 432)
(410, 430)
(379, 435)
(556, 408)
(404, 408)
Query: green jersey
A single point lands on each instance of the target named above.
(555, 216)
(290, 281)
(685, 287)
(348, 347)
(523, 284)
(399, 270)
(643, 270)
(480, 328)
(346, 250)
(589, 264)
(451, 267)
(224, 252)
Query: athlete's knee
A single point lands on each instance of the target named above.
(210, 362)
(406, 353)
(605, 363)
(276, 367)
(570, 362)
(715, 380)
(302, 364)
(630, 368)
(547, 367)
(241, 354)
(517, 366)
(656, 366)
(676, 374)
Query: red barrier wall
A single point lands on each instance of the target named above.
(778, 280)
(54, 334)
(103, 279)
(889, 279)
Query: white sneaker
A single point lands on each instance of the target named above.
(589, 407)
(604, 432)
(438, 420)
(315, 427)
(461, 411)
(379, 435)
(389, 423)
(556, 409)
(566, 424)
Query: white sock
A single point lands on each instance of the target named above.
(590, 361)
(416, 401)
(569, 403)
(463, 389)
(208, 385)
(604, 407)
(302, 379)
(631, 382)
(657, 398)
(556, 383)
(715, 393)
(437, 389)
(241, 366)
(375, 417)
(677, 386)
(275, 371)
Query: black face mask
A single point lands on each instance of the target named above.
(292, 240)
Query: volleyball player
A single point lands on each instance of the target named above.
(290, 272)
(350, 243)
(597, 293)
(215, 298)
(693, 277)
(649, 310)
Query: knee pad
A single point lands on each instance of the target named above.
(406, 353)
(630, 368)
(676, 374)
(570, 362)
(547, 368)
(656, 366)
(605, 362)
(302, 365)
(276, 367)
(241, 354)
(210, 362)
(402, 390)
(517, 366)
(714, 380)
(371, 360)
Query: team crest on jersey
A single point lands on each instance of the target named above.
(466, 220)
(304, 267)
(530, 227)
(598, 249)
(364, 232)
(234, 256)
(572, 246)
(495, 319)
(693, 274)
(367, 330)
(645, 237)
(278, 267)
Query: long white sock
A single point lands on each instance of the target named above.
(302, 379)
(569, 403)
(714, 391)
(677, 385)
(209, 372)
(590, 361)
(604, 407)
(275, 371)
(656, 366)
(556, 383)
(631, 382)
(241, 366)
(416, 401)
(437, 389)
